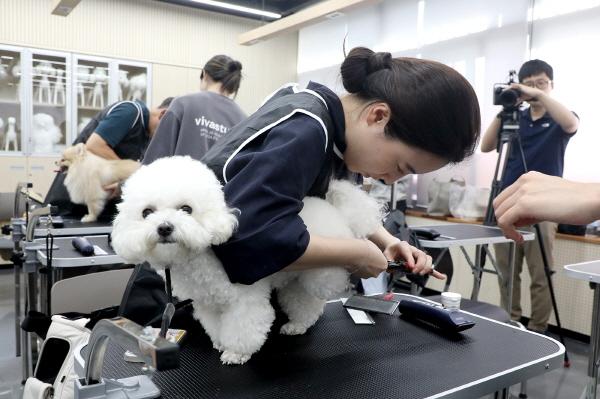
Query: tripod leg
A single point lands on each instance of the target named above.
(592, 383)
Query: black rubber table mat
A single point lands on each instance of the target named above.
(338, 359)
(465, 231)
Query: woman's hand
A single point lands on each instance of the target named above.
(416, 260)
(372, 262)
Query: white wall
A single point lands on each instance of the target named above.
(570, 44)
(482, 39)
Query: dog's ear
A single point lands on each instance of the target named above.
(223, 226)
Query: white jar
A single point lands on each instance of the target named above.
(451, 300)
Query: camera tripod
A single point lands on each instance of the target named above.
(508, 137)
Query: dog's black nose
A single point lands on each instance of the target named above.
(165, 229)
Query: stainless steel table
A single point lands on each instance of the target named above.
(461, 235)
(64, 256)
(590, 271)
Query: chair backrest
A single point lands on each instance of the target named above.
(89, 292)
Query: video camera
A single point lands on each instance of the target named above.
(504, 95)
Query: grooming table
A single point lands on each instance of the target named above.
(337, 359)
(64, 256)
(461, 235)
(590, 271)
(71, 227)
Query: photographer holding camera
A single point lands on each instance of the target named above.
(545, 128)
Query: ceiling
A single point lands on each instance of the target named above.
(283, 7)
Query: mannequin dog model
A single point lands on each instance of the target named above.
(174, 210)
(88, 173)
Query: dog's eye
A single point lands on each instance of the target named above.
(186, 209)
(146, 212)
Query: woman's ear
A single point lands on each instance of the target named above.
(378, 113)
(162, 113)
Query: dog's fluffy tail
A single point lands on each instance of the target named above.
(121, 169)
(363, 213)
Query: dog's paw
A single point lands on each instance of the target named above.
(229, 357)
(292, 329)
(218, 347)
(88, 218)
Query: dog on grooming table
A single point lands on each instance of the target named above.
(174, 210)
(87, 174)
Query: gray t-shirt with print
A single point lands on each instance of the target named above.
(192, 124)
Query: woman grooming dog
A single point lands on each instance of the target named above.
(119, 132)
(400, 116)
(194, 122)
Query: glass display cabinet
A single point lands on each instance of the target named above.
(91, 89)
(11, 140)
(49, 131)
(133, 82)
(47, 97)
(99, 82)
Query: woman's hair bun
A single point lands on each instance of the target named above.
(359, 64)
(379, 61)
(234, 66)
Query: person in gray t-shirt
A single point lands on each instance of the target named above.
(194, 122)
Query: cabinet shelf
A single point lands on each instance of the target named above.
(49, 105)
(15, 102)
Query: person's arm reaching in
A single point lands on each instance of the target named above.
(536, 197)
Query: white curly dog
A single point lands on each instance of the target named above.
(174, 210)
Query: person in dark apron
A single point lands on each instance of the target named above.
(194, 122)
(401, 116)
(120, 131)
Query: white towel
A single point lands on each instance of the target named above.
(36, 389)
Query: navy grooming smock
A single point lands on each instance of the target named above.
(290, 148)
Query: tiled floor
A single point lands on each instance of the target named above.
(557, 384)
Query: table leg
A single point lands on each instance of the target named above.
(501, 394)
(17, 272)
(592, 384)
(476, 270)
(437, 260)
(28, 341)
(511, 275)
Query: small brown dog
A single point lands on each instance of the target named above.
(88, 174)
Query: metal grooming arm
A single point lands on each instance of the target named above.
(33, 218)
(156, 352)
